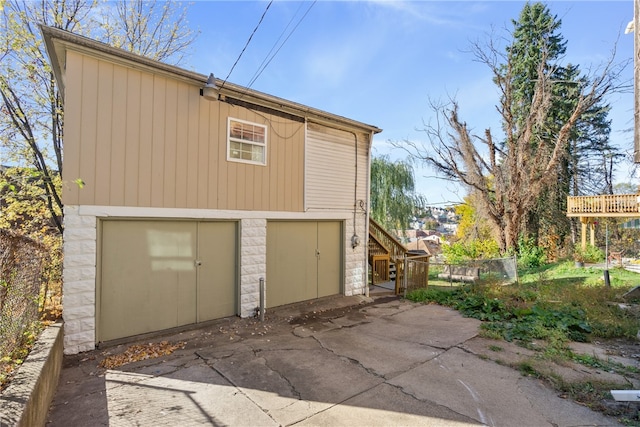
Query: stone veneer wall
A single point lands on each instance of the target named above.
(80, 257)
(355, 263)
(79, 281)
(253, 263)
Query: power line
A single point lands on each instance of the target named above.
(246, 44)
(266, 62)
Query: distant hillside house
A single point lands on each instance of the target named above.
(188, 202)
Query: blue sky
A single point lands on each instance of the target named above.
(381, 62)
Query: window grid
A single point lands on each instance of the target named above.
(246, 142)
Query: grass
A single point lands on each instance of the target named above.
(553, 305)
(556, 302)
(607, 365)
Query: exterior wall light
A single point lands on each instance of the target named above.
(210, 91)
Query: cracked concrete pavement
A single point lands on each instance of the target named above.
(349, 361)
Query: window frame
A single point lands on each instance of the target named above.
(231, 139)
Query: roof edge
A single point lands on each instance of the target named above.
(57, 41)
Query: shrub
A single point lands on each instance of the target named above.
(437, 296)
(459, 252)
(590, 254)
(530, 255)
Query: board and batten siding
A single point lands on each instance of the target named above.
(141, 139)
(331, 168)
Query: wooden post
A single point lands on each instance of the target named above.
(583, 234)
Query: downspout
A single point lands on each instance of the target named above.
(355, 239)
(366, 217)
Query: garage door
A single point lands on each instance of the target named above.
(157, 275)
(304, 261)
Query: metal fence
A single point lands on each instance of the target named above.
(495, 271)
(22, 263)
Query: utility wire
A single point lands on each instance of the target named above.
(246, 44)
(266, 62)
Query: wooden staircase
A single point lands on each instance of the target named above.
(385, 252)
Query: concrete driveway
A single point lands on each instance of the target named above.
(348, 361)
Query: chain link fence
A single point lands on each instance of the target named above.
(502, 271)
(421, 272)
(22, 264)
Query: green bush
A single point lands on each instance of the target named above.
(437, 296)
(530, 255)
(458, 252)
(556, 303)
(590, 254)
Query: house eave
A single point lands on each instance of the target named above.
(58, 41)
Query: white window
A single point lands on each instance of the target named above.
(247, 142)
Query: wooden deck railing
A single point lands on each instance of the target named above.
(395, 249)
(379, 260)
(604, 205)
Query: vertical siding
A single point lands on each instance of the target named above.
(88, 130)
(202, 165)
(331, 168)
(119, 136)
(192, 151)
(182, 138)
(217, 155)
(221, 171)
(104, 145)
(158, 121)
(171, 143)
(146, 140)
(72, 128)
(132, 134)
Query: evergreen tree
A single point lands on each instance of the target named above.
(542, 108)
(538, 46)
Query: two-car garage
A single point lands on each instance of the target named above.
(161, 274)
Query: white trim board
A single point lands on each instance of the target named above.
(147, 212)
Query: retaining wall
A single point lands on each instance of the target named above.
(27, 399)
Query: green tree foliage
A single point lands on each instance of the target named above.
(459, 252)
(393, 196)
(587, 166)
(25, 209)
(32, 112)
(24, 202)
(530, 255)
(535, 42)
(509, 174)
(471, 226)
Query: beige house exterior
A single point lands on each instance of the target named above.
(176, 206)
